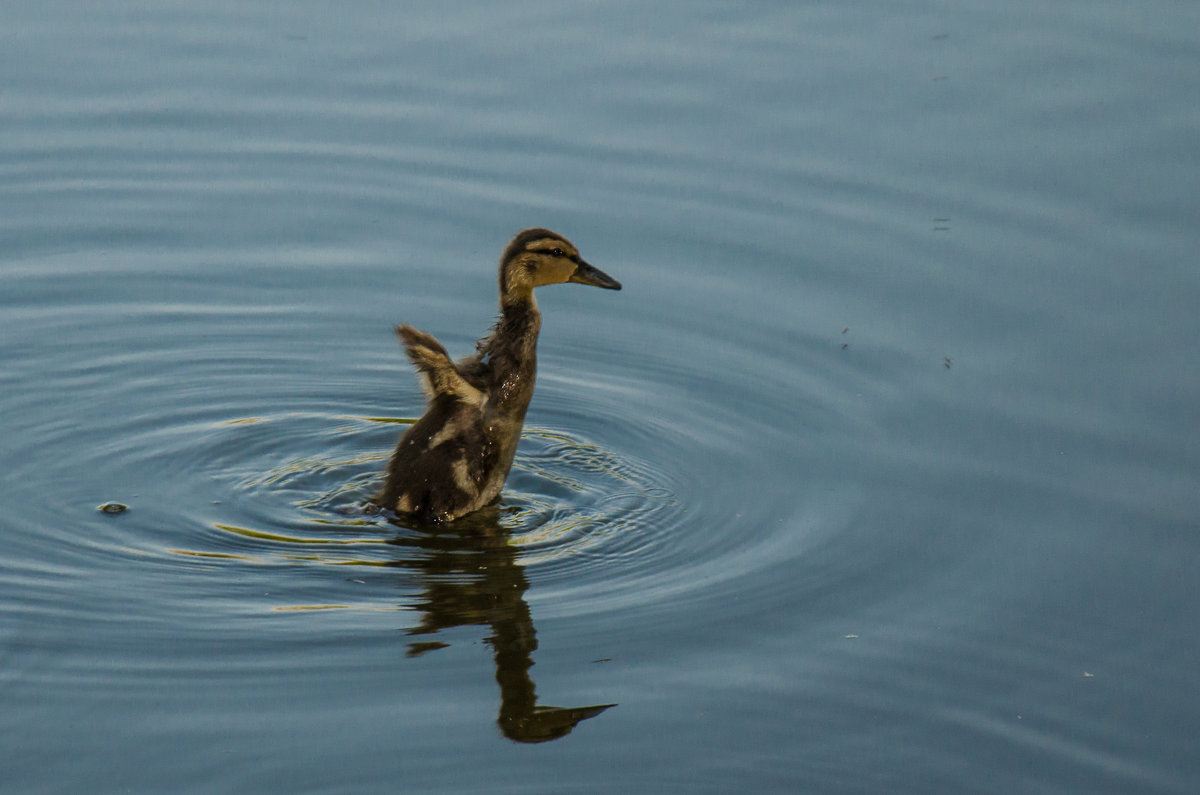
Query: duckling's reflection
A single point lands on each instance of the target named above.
(471, 576)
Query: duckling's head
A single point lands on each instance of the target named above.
(538, 256)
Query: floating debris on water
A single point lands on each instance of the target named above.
(112, 507)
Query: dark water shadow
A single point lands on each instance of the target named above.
(470, 576)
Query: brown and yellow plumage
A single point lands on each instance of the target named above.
(456, 457)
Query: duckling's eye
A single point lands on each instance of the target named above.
(557, 252)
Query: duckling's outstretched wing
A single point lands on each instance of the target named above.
(439, 375)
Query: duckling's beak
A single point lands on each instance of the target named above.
(586, 274)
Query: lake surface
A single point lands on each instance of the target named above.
(880, 475)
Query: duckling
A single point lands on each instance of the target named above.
(455, 458)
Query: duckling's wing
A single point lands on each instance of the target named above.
(439, 377)
(475, 371)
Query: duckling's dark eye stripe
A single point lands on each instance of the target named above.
(555, 252)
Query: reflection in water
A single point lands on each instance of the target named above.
(471, 576)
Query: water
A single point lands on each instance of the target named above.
(879, 475)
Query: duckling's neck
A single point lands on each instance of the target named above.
(520, 320)
(511, 349)
(519, 301)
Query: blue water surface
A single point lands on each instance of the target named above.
(880, 475)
